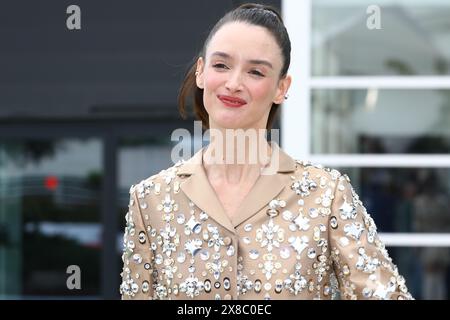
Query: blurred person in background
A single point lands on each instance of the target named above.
(431, 214)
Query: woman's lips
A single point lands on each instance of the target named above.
(233, 102)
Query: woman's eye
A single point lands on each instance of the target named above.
(223, 66)
(256, 72)
(219, 66)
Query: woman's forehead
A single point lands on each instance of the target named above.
(241, 40)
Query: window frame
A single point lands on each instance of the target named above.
(296, 115)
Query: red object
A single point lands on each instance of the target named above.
(232, 101)
(51, 183)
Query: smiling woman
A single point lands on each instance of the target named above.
(206, 229)
(242, 71)
(247, 49)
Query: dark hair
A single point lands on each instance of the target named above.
(255, 14)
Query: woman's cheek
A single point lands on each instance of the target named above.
(213, 81)
(260, 91)
(211, 84)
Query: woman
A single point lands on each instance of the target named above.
(210, 229)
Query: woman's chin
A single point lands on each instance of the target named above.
(229, 122)
(229, 126)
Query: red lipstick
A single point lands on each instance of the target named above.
(230, 101)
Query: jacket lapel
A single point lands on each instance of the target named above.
(266, 188)
(198, 189)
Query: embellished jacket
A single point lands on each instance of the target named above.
(301, 233)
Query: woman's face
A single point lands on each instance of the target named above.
(240, 76)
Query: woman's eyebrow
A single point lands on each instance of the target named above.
(251, 61)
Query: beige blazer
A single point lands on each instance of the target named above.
(301, 233)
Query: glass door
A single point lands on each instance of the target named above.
(50, 217)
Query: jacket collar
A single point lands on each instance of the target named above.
(199, 190)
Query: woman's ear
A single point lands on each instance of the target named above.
(199, 73)
(283, 87)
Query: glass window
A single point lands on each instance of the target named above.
(425, 269)
(49, 216)
(404, 199)
(413, 38)
(380, 121)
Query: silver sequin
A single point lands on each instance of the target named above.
(285, 252)
(142, 237)
(299, 243)
(347, 211)
(253, 254)
(193, 246)
(204, 255)
(181, 257)
(333, 222)
(137, 258)
(203, 216)
(354, 230)
(287, 215)
(230, 251)
(311, 253)
(180, 218)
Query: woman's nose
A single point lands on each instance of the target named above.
(234, 82)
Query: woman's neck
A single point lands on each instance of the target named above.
(235, 157)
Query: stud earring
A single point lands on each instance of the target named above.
(196, 73)
(286, 96)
